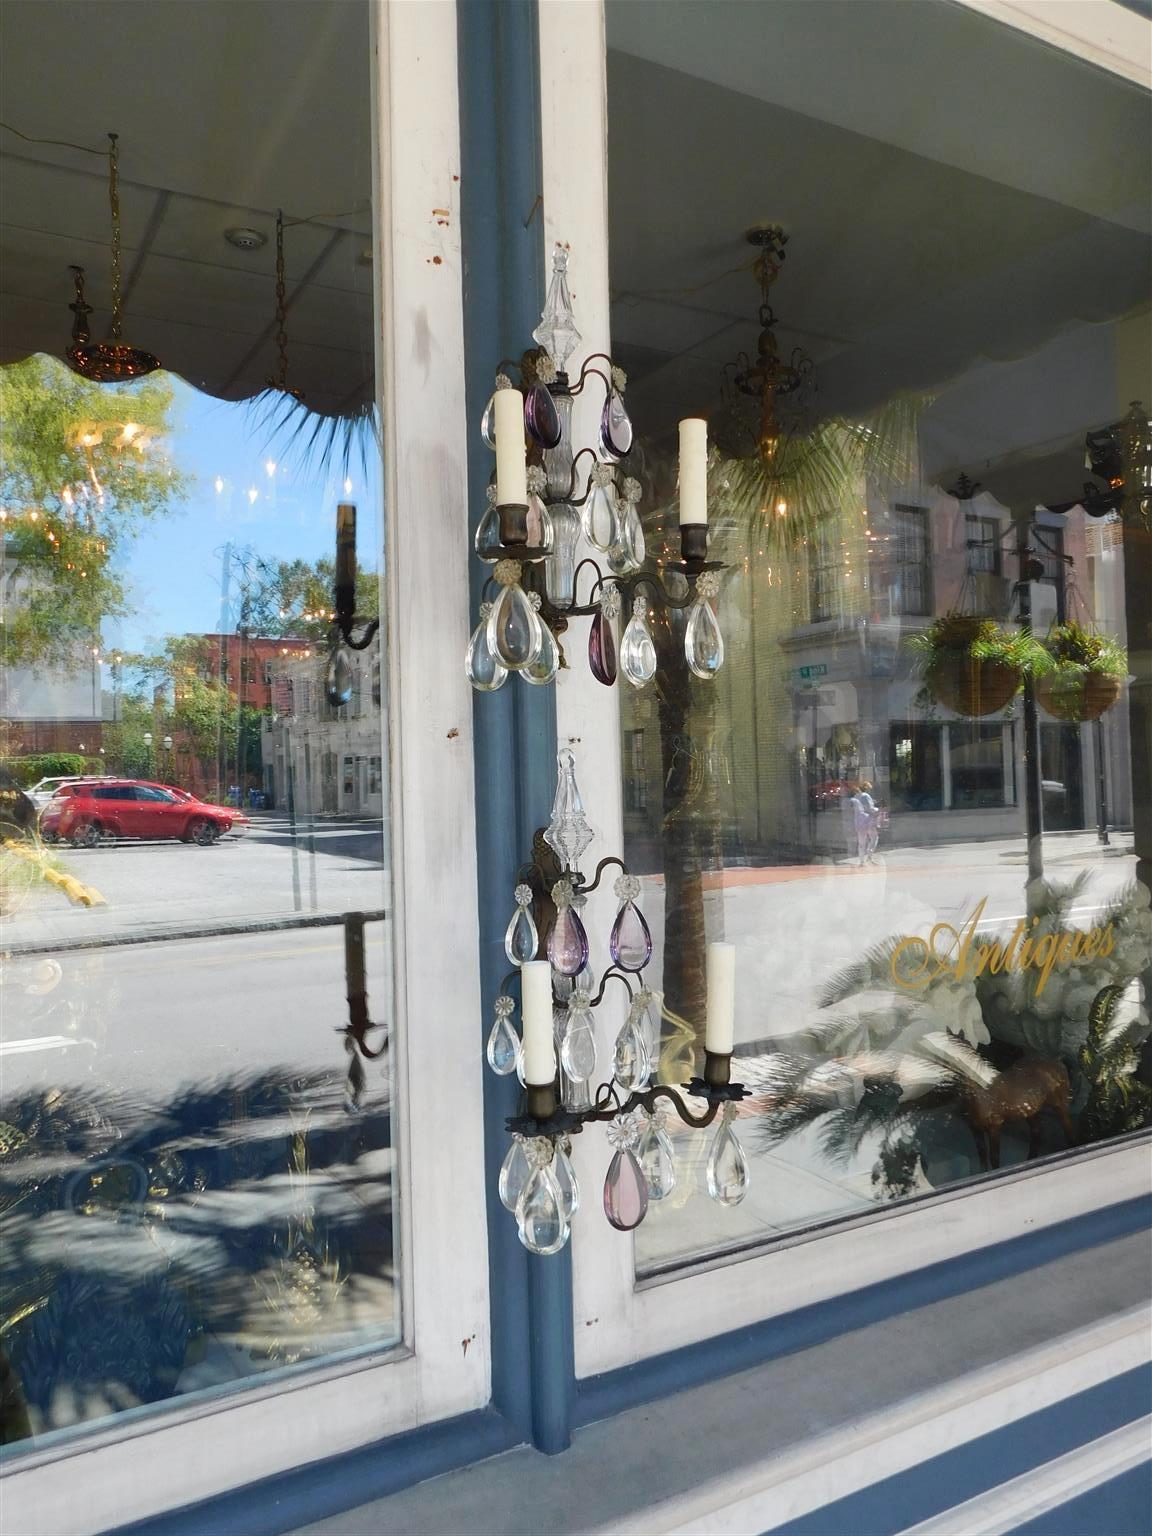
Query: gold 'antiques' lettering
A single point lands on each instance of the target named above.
(955, 954)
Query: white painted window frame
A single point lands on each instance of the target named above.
(618, 1320)
(161, 1460)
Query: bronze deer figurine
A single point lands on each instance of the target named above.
(1020, 1093)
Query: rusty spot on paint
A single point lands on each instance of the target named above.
(453, 733)
(437, 261)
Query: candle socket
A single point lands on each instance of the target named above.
(693, 543)
(513, 522)
(541, 1100)
(717, 1069)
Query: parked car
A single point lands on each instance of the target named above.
(43, 790)
(87, 813)
(240, 822)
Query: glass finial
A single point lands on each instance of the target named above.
(568, 833)
(557, 332)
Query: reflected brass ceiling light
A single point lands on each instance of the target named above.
(767, 378)
(111, 361)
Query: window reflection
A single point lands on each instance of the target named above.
(191, 1193)
(926, 614)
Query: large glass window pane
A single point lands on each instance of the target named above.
(194, 1191)
(916, 794)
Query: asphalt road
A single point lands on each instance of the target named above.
(152, 1021)
(275, 871)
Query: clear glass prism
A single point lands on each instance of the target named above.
(568, 833)
(557, 332)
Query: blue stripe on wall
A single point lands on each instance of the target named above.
(891, 1506)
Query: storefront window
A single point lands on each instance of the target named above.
(193, 1191)
(912, 796)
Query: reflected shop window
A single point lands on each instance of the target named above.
(917, 795)
(194, 1192)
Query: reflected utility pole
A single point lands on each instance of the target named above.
(1030, 569)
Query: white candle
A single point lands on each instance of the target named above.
(693, 470)
(536, 1011)
(511, 472)
(720, 1029)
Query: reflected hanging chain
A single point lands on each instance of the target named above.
(114, 203)
(280, 379)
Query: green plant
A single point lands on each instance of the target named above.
(1070, 646)
(50, 765)
(966, 635)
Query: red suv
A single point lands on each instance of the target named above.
(85, 814)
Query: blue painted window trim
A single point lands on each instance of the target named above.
(533, 1366)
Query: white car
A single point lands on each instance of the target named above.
(43, 791)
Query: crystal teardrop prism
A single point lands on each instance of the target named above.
(625, 1191)
(727, 1168)
(538, 523)
(514, 629)
(619, 561)
(656, 1159)
(514, 1171)
(578, 1051)
(602, 649)
(568, 942)
(488, 423)
(648, 1008)
(547, 663)
(568, 833)
(503, 1047)
(631, 1064)
(598, 517)
(638, 651)
(487, 540)
(565, 1176)
(541, 418)
(615, 427)
(485, 673)
(630, 942)
(338, 677)
(632, 534)
(539, 1216)
(703, 642)
(521, 941)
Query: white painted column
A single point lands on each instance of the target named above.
(575, 185)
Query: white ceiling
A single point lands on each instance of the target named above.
(957, 195)
(226, 111)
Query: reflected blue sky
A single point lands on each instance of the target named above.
(250, 488)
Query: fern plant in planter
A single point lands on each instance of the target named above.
(973, 665)
(1086, 673)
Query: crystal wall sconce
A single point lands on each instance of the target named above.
(540, 507)
(555, 1053)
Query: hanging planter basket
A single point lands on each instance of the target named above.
(972, 665)
(971, 685)
(1076, 695)
(1085, 675)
